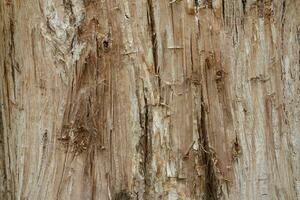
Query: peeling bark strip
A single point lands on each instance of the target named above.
(150, 99)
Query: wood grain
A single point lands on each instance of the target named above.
(150, 99)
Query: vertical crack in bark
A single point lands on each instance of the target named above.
(144, 146)
(283, 12)
(153, 35)
(12, 47)
(153, 32)
(244, 3)
(191, 52)
(223, 11)
(8, 174)
(33, 53)
(3, 188)
(282, 34)
(298, 40)
(212, 181)
(147, 148)
(10, 186)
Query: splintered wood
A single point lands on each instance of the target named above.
(149, 99)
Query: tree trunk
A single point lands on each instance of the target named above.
(150, 99)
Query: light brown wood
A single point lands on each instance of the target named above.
(150, 99)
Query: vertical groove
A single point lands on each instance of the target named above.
(154, 42)
(244, 2)
(12, 49)
(153, 35)
(212, 182)
(3, 188)
(147, 149)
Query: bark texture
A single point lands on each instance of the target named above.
(150, 99)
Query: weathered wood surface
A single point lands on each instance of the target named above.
(150, 99)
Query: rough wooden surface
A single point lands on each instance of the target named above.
(150, 99)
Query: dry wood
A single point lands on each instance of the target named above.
(150, 99)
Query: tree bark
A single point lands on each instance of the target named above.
(150, 99)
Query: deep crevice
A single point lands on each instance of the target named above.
(244, 2)
(223, 11)
(208, 157)
(152, 23)
(147, 140)
(153, 35)
(144, 146)
(147, 148)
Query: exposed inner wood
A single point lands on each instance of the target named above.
(150, 99)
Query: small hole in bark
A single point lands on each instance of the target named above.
(236, 149)
(106, 42)
(106, 45)
(219, 73)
